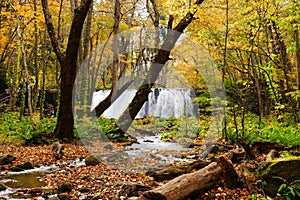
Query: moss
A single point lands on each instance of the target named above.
(286, 168)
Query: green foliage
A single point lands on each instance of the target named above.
(14, 130)
(181, 130)
(288, 190)
(102, 128)
(270, 129)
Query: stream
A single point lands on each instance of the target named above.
(19, 184)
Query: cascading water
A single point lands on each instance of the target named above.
(162, 102)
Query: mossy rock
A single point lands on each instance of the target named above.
(24, 166)
(92, 160)
(288, 169)
(66, 187)
(84, 190)
(16, 169)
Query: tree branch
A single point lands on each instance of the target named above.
(51, 32)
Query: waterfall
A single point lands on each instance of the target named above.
(162, 102)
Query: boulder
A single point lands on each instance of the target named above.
(274, 173)
(6, 159)
(92, 160)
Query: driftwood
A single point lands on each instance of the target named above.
(171, 172)
(188, 185)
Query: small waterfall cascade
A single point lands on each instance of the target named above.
(162, 102)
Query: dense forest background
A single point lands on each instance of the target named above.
(255, 45)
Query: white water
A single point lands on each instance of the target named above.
(162, 102)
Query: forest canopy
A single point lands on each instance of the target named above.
(255, 45)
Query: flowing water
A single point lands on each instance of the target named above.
(162, 102)
(28, 179)
(17, 182)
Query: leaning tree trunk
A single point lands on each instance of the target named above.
(160, 60)
(68, 63)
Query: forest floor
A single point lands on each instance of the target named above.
(102, 181)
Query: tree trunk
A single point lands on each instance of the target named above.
(69, 65)
(297, 61)
(160, 60)
(170, 172)
(44, 72)
(27, 84)
(189, 185)
(115, 64)
(36, 66)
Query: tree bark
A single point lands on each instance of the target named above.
(27, 83)
(171, 172)
(115, 64)
(69, 65)
(189, 185)
(297, 60)
(162, 57)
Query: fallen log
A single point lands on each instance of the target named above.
(174, 171)
(189, 185)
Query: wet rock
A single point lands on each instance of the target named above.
(274, 173)
(92, 160)
(148, 141)
(2, 187)
(16, 169)
(6, 159)
(66, 187)
(84, 190)
(24, 166)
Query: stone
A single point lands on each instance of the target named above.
(283, 168)
(6, 159)
(66, 187)
(15, 169)
(24, 166)
(92, 160)
(84, 190)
